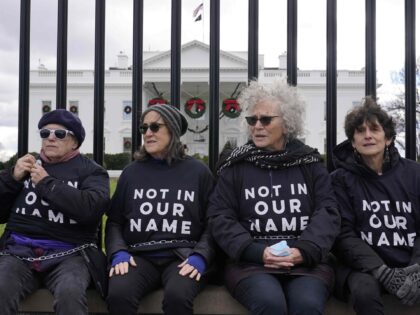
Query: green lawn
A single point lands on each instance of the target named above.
(113, 184)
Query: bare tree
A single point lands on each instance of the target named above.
(396, 108)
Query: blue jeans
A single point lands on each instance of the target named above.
(67, 282)
(270, 294)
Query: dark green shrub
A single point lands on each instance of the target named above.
(116, 161)
(12, 161)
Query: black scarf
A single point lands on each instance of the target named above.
(295, 153)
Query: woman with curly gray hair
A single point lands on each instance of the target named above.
(287, 103)
(273, 209)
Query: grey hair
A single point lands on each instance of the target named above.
(286, 99)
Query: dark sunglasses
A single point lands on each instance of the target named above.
(58, 133)
(264, 120)
(154, 127)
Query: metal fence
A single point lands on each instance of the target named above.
(175, 78)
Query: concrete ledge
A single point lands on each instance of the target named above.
(213, 300)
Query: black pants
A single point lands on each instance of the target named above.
(67, 281)
(365, 294)
(125, 292)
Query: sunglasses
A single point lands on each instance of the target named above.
(264, 120)
(58, 133)
(154, 127)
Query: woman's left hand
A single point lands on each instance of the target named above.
(187, 269)
(38, 173)
(285, 262)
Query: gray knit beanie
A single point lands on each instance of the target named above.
(175, 121)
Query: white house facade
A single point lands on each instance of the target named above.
(195, 83)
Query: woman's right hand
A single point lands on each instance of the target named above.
(23, 167)
(121, 261)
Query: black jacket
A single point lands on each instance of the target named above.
(252, 208)
(380, 213)
(67, 205)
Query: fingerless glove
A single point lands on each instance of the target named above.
(198, 262)
(119, 257)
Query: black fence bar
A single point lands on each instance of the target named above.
(331, 80)
(410, 79)
(137, 87)
(24, 66)
(252, 39)
(214, 83)
(99, 83)
(176, 52)
(61, 83)
(292, 42)
(411, 96)
(370, 40)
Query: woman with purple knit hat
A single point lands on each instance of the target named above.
(52, 204)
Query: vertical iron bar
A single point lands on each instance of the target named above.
(176, 52)
(370, 63)
(99, 83)
(410, 80)
(292, 42)
(137, 88)
(331, 80)
(214, 83)
(252, 39)
(61, 83)
(24, 66)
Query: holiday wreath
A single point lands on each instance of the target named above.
(157, 100)
(159, 97)
(127, 109)
(46, 108)
(195, 107)
(74, 109)
(231, 108)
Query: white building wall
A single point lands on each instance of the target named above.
(350, 90)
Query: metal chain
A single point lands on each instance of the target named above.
(51, 256)
(276, 237)
(161, 242)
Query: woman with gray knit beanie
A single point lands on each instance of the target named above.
(156, 233)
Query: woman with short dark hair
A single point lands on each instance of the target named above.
(378, 194)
